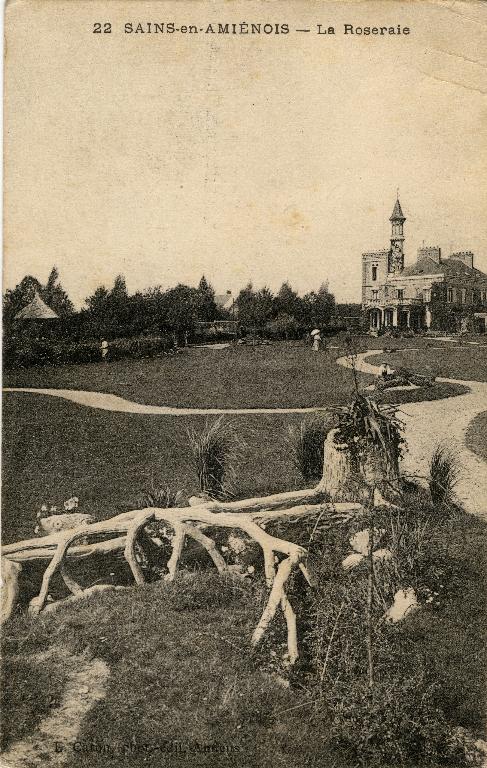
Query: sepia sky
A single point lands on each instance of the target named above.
(263, 158)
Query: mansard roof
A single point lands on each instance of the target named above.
(397, 212)
(448, 267)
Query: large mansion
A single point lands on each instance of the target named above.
(437, 292)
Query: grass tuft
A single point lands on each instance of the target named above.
(306, 441)
(444, 475)
(216, 451)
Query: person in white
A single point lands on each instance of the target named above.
(316, 339)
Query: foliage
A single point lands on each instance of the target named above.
(284, 326)
(306, 441)
(206, 307)
(25, 352)
(363, 426)
(444, 475)
(285, 315)
(215, 450)
(320, 306)
(255, 308)
(397, 722)
(162, 496)
(403, 718)
(52, 293)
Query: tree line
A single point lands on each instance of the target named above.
(113, 312)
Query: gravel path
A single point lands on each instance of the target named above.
(107, 402)
(51, 742)
(443, 421)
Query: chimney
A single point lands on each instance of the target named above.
(432, 252)
(465, 256)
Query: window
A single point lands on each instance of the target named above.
(375, 295)
(450, 295)
(484, 296)
(400, 294)
(464, 296)
(374, 272)
(427, 295)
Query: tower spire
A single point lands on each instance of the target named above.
(396, 254)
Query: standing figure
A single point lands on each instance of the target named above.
(316, 340)
(104, 350)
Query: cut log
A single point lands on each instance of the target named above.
(338, 481)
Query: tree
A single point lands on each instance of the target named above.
(320, 306)
(288, 302)
(206, 305)
(55, 296)
(119, 290)
(180, 309)
(17, 298)
(284, 326)
(52, 293)
(113, 312)
(255, 308)
(97, 303)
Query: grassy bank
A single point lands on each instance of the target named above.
(476, 437)
(185, 687)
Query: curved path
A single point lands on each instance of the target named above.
(427, 423)
(118, 404)
(445, 421)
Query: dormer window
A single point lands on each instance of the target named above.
(374, 272)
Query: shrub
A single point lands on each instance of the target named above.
(397, 722)
(161, 496)
(444, 476)
(215, 451)
(372, 435)
(284, 326)
(306, 441)
(22, 352)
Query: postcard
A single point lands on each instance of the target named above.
(244, 487)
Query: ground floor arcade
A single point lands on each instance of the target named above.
(402, 317)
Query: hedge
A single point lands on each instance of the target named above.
(23, 353)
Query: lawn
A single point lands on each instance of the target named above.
(467, 363)
(286, 375)
(53, 450)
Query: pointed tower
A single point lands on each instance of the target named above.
(396, 256)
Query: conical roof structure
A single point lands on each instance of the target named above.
(397, 212)
(36, 310)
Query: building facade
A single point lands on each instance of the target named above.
(437, 293)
